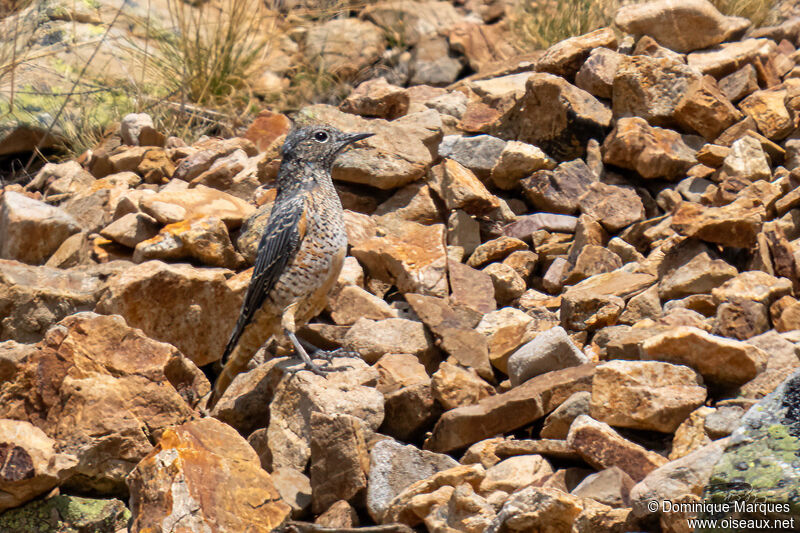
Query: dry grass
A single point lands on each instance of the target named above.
(758, 11)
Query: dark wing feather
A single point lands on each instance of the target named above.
(278, 245)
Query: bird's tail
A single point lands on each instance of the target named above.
(251, 340)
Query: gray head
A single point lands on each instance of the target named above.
(318, 144)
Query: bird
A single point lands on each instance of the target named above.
(300, 254)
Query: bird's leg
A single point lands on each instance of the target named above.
(318, 370)
(327, 355)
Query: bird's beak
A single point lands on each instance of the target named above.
(353, 137)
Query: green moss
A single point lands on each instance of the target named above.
(66, 514)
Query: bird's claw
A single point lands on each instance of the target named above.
(329, 355)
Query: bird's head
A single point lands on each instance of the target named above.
(318, 144)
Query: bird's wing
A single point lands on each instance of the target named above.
(282, 237)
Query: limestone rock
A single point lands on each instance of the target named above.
(516, 161)
(479, 153)
(344, 46)
(193, 309)
(459, 188)
(699, 275)
(557, 423)
(602, 447)
(204, 239)
(85, 380)
(508, 285)
(495, 250)
(558, 191)
(645, 395)
(610, 487)
(719, 360)
(515, 473)
(768, 111)
(728, 57)
(746, 160)
(705, 109)
(735, 224)
(30, 230)
(753, 285)
(131, 229)
(352, 302)
(372, 339)
(200, 474)
(650, 151)
(566, 57)
(454, 386)
(376, 98)
(171, 206)
(614, 206)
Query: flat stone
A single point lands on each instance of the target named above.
(508, 411)
(610, 487)
(344, 46)
(169, 207)
(557, 423)
(372, 339)
(494, 250)
(558, 190)
(735, 224)
(479, 153)
(566, 57)
(376, 98)
(698, 275)
(768, 111)
(726, 58)
(454, 386)
(753, 285)
(548, 351)
(31, 230)
(602, 447)
(614, 206)
(740, 83)
(719, 360)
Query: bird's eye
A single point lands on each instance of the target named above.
(321, 136)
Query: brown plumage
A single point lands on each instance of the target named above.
(300, 254)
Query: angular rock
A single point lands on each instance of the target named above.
(596, 75)
(479, 153)
(508, 285)
(344, 46)
(741, 319)
(352, 303)
(200, 474)
(735, 224)
(610, 487)
(753, 285)
(592, 260)
(699, 275)
(557, 423)
(515, 473)
(454, 386)
(556, 116)
(566, 57)
(652, 152)
(740, 83)
(705, 109)
(516, 161)
(506, 412)
(68, 514)
(614, 206)
(548, 351)
(728, 57)
(168, 207)
(602, 447)
(495, 250)
(720, 361)
(645, 395)
(471, 288)
(681, 26)
(411, 22)
(459, 188)
(598, 301)
(83, 385)
(131, 229)
(410, 411)
(558, 191)
(30, 230)
(377, 98)
(193, 309)
(768, 111)
(372, 339)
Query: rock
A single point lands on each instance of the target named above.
(746, 160)
(411, 138)
(766, 438)
(566, 57)
(610, 487)
(377, 98)
(411, 22)
(465, 511)
(204, 239)
(598, 301)
(205, 153)
(495, 250)
(30, 230)
(681, 477)
(454, 386)
(592, 260)
(548, 351)
(344, 46)
(394, 467)
(614, 206)
(203, 473)
(753, 285)
(645, 394)
(463, 231)
(698, 275)
(785, 314)
(525, 225)
(559, 190)
(680, 26)
(352, 303)
(740, 83)
(728, 57)
(508, 285)
(596, 75)
(506, 330)
(294, 489)
(705, 109)
(650, 88)
(372, 339)
(735, 224)
(741, 319)
(397, 371)
(169, 207)
(516, 161)
(650, 151)
(508, 411)
(555, 116)
(460, 189)
(31, 464)
(267, 130)
(515, 473)
(410, 411)
(84, 380)
(479, 153)
(414, 262)
(68, 514)
(339, 460)
(193, 309)
(768, 111)
(538, 509)
(720, 361)
(347, 392)
(482, 44)
(432, 64)
(557, 423)
(131, 229)
(242, 404)
(602, 447)
(339, 515)
(471, 288)
(34, 298)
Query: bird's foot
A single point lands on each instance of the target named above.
(329, 355)
(327, 368)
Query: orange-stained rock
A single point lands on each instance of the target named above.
(175, 205)
(735, 224)
(204, 239)
(203, 476)
(102, 390)
(266, 129)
